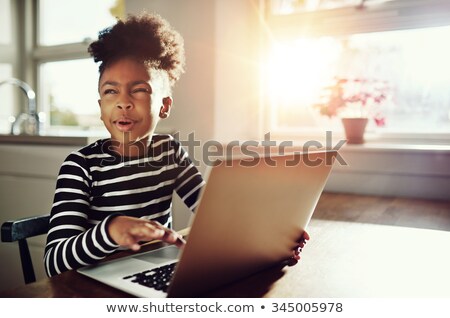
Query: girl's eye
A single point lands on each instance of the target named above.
(109, 91)
(141, 90)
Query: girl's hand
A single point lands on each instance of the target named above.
(128, 231)
(293, 260)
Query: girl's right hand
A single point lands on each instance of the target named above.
(128, 231)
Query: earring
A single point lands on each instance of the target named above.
(163, 114)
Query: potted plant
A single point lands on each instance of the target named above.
(355, 101)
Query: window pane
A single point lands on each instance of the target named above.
(73, 21)
(296, 72)
(413, 63)
(68, 93)
(5, 21)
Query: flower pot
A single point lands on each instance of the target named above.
(354, 129)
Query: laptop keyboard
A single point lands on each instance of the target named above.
(157, 278)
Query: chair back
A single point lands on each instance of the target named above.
(19, 231)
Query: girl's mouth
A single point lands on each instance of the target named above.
(124, 124)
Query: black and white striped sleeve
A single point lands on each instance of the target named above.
(71, 241)
(189, 181)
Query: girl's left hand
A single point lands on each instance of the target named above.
(293, 260)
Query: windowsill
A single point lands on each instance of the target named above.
(44, 140)
(402, 142)
(370, 146)
(374, 141)
(56, 137)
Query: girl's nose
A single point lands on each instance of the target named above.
(124, 106)
(124, 102)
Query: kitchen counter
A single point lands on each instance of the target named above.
(44, 140)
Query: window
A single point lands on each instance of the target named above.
(63, 22)
(392, 42)
(71, 103)
(66, 75)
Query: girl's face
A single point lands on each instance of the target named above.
(132, 100)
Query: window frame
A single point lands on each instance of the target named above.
(32, 55)
(388, 16)
(52, 53)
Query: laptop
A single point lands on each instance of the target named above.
(251, 213)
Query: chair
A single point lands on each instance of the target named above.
(21, 229)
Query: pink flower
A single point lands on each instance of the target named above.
(357, 97)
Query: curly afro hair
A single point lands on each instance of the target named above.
(147, 38)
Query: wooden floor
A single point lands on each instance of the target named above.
(418, 213)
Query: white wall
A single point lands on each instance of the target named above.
(237, 65)
(389, 170)
(193, 109)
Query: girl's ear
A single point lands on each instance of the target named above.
(99, 101)
(166, 107)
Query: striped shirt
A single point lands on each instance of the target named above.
(95, 183)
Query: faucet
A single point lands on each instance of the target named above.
(28, 123)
